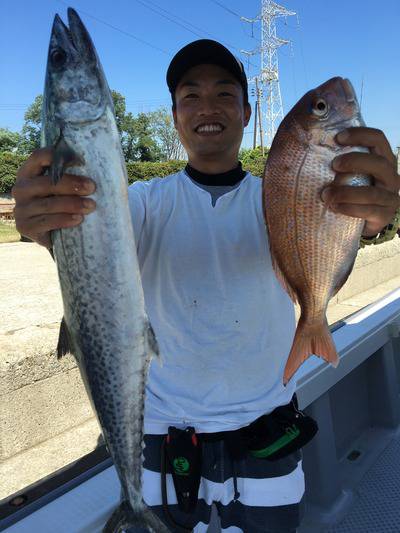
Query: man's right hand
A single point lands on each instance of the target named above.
(41, 207)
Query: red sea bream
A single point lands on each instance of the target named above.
(313, 248)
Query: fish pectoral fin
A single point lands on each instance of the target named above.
(282, 279)
(64, 156)
(313, 339)
(64, 344)
(343, 279)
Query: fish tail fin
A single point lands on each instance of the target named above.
(310, 339)
(125, 517)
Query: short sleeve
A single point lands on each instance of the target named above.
(137, 208)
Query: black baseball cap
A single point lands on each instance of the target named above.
(205, 51)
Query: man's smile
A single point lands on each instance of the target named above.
(209, 128)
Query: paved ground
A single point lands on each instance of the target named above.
(30, 294)
(30, 299)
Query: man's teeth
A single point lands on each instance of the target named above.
(207, 128)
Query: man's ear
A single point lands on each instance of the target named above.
(247, 114)
(174, 116)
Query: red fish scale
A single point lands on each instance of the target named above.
(313, 247)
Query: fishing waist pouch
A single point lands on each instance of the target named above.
(273, 436)
(283, 431)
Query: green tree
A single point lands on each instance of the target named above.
(138, 143)
(8, 140)
(166, 135)
(9, 165)
(253, 160)
(136, 134)
(30, 134)
(119, 109)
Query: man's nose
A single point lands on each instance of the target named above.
(209, 106)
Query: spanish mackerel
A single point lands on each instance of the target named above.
(104, 314)
(313, 249)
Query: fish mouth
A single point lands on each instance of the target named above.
(75, 82)
(75, 36)
(351, 98)
(348, 90)
(342, 85)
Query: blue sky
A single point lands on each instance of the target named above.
(354, 39)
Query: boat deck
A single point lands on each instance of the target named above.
(376, 507)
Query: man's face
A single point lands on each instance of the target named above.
(210, 113)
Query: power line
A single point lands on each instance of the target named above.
(186, 24)
(168, 18)
(225, 8)
(117, 29)
(202, 30)
(301, 50)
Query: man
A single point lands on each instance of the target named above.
(222, 320)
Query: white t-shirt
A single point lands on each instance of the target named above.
(223, 322)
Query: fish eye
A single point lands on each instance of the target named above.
(320, 107)
(58, 57)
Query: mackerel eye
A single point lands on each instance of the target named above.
(320, 107)
(58, 57)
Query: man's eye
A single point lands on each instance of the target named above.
(225, 93)
(191, 95)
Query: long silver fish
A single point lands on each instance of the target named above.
(104, 313)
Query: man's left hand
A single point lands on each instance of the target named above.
(376, 204)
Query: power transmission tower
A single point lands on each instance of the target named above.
(269, 75)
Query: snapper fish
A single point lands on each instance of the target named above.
(105, 324)
(313, 249)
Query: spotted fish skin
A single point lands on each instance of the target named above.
(313, 249)
(104, 310)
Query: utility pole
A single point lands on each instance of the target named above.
(269, 76)
(260, 117)
(255, 128)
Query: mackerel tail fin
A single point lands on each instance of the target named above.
(310, 339)
(125, 517)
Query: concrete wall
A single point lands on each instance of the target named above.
(374, 265)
